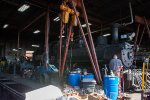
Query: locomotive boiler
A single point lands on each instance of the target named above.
(104, 54)
(77, 53)
(105, 51)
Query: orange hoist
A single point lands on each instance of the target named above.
(66, 11)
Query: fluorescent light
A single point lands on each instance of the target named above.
(106, 34)
(36, 31)
(29, 51)
(37, 46)
(5, 26)
(56, 19)
(14, 50)
(20, 49)
(23, 8)
(62, 36)
(84, 25)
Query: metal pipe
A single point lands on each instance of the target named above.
(96, 31)
(66, 49)
(34, 20)
(131, 15)
(115, 31)
(91, 40)
(11, 2)
(18, 44)
(17, 4)
(135, 41)
(86, 44)
(141, 37)
(47, 27)
(40, 3)
(35, 5)
(116, 21)
(60, 45)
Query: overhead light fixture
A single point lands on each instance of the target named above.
(36, 31)
(37, 46)
(56, 19)
(84, 25)
(106, 34)
(5, 26)
(14, 50)
(23, 8)
(62, 36)
(29, 51)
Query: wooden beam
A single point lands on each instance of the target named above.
(140, 20)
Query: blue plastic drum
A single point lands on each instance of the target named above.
(74, 79)
(111, 86)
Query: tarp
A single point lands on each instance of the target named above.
(46, 93)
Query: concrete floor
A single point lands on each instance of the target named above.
(36, 85)
(18, 79)
(135, 96)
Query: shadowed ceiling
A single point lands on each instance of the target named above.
(101, 13)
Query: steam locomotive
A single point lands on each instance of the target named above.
(78, 53)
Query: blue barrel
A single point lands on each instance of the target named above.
(111, 86)
(91, 76)
(74, 79)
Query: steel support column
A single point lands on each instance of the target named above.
(47, 27)
(60, 46)
(86, 44)
(18, 44)
(66, 49)
(90, 40)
